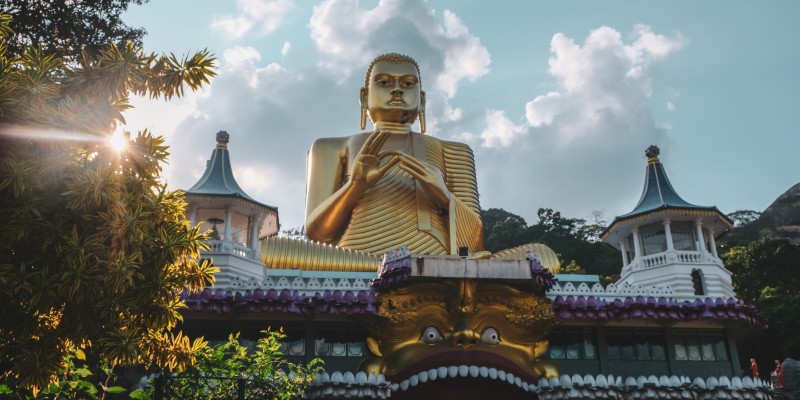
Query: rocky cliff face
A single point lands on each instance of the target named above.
(780, 220)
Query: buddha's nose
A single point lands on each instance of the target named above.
(465, 338)
(397, 92)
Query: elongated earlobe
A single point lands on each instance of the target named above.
(362, 98)
(421, 112)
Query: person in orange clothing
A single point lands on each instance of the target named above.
(754, 368)
(779, 373)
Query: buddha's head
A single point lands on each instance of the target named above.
(483, 327)
(392, 90)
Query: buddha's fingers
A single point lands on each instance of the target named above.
(391, 163)
(376, 141)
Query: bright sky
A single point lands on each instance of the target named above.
(557, 99)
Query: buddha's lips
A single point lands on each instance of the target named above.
(465, 357)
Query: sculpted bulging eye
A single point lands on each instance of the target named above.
(431, 335)
(490, 336)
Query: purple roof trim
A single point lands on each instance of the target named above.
(541, 277)
(284, 301)
(357, 302)
(391, 273)
(640, 307)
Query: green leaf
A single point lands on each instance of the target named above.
(140, 395)
(80, 355)
(115, 389)
(83, 372)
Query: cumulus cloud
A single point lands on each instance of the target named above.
(605, 78)
(567, 152)
(263, 15)
(350, 36)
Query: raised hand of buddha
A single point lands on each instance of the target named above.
(430, 177)
(367, 168)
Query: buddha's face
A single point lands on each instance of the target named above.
(432, 327)
(393, 93)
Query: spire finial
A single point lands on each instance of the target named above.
(652, 153)
(222, 139)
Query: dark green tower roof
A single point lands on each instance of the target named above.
(218, 179)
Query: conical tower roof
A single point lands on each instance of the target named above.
(218, 179)
(659, 195)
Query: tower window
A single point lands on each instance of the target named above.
(697, 282)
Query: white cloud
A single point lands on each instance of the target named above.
(265, 15)
(670, 106)
(602, 80)
(285, 49)
(351, 36)
(500, 131)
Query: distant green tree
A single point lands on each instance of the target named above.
(67, 28)
(503, 230)
(94, 250)
(572, 238)
(766, 273)
(743, 217)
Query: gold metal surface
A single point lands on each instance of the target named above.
(377, 190)
(432, 324)
(286, 253)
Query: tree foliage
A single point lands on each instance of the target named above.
(766, 273)
(94, 250)
(68, 27)
(265, 369)
(574, 239)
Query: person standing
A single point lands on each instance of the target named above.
(754, 368)
(779, 373)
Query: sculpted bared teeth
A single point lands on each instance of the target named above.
(510, 378)
(433, 374)
(395, 387)
(483, 371)
(423, 376)
(525, 386)
(463, 370)
(404, 385)
(442, 372)
(413, 381)
(518, 381)
(501, 375)
(452, 371)
(473, 371)
(493, 373)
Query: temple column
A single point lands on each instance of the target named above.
(701, 242)
(637, 247)
(624, 250)
(668, 235)
(713, 243)
(192, 216)
(228, 218)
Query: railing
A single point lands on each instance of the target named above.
(672, 257)
(212, 387)
(222, 246)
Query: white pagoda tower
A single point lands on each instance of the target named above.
(236, 220)
(666, 241)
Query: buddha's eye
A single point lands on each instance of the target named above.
(431, 335)
(383, 82)
(409, 83)
(490, 336)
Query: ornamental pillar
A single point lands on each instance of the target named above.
(637, 247)
(192, 216)
(701, 242)
(713, 243)
(228, 218)
(624, 250)
(668, 235)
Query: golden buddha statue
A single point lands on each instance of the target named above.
(375, 191)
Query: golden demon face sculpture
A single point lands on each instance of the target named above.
(437, 326)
